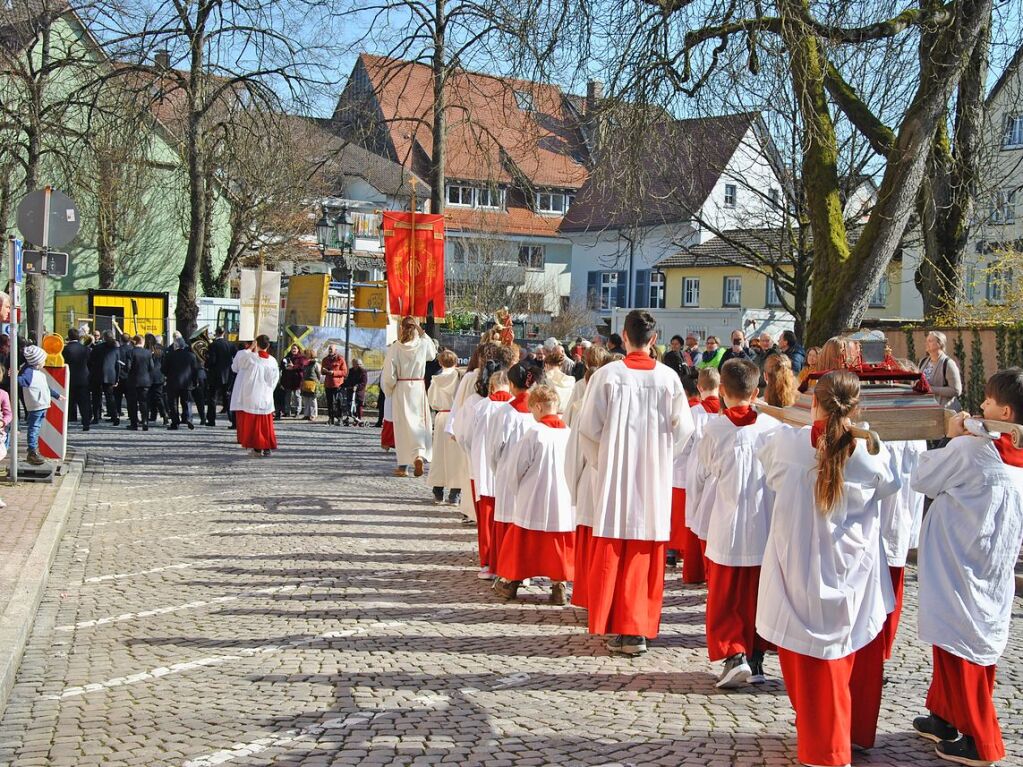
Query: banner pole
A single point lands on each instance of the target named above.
(412, 254)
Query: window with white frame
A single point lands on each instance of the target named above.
(997, 279)
(773, 293)
(532, 257)
(656, 290)
(970, 282)
(691, 291)
(489, 197)
(1013, 132)
(731, 195)
(461, 195)
(733, 291)
(468, 252)
(553, 202)
(879, 299)
(1003, 207)
(608, 290)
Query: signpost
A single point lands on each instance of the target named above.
(46, 218)
(17, 277)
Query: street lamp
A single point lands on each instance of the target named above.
(324, 229)
(338, 231)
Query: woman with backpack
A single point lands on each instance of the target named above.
(310, 386)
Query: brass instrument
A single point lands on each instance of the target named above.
(200, 344)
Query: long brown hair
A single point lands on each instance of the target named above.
(408, 329)
(837, 395)
(782, 386)
(833, 355)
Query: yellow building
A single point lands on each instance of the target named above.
(719, 273)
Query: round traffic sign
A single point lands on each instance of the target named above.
(64, 222)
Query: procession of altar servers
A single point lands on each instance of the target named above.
(581, 489)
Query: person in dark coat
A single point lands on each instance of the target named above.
(140, 378)
(181, 367)
(738, 350)
(123, 352)
(76, 356)
(791, 348)
(218, 374)
(104, 364)
(676, 360)
(157, 397)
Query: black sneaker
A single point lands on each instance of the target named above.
(935, 728)
(672, 559)
(962, 751)
(735, 673)
(627, 645)
(454, 497)
(756, 664)
(438, 495)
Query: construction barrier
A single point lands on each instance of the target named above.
(53, 432)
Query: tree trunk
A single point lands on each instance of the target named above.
(439, 66)
(187, 310)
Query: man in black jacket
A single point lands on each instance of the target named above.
(218, 374)
(104, 363)
(181, 367)
(140, 378)
(77, 358)
(123, 352)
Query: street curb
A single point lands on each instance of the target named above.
(19, 615)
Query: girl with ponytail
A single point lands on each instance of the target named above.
(825, 589)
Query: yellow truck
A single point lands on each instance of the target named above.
(136, 312)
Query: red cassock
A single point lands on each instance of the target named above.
(962, 693)
(891, 624)
(678, 519)
(387, 435)
(485, 530)
(256, 431)
(625, 586)
(583, 548)
(836, 701)
(534, 553)
(732, 611)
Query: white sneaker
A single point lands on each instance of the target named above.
(2, 504)
(485, 575)
(735, 673)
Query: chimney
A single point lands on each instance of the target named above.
(162, 60)
(594, 93)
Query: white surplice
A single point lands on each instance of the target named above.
(401, 380)
(902, 513)
(446, 468)
(575, 402)
(465, 398)
(466, 388)
(542, 500)
(639, 419)
(698, 505)
(254, 383)
(739, 516)
(563, 384)
(472, 435)
(581, 458)
(969, 543)
(825, 590)
(503, 438)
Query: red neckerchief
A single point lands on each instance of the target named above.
(639, 361)
(264, 354)
(1013, 456)
(741, 415)
(817, 431)
(501, 396)
(554, 421)
(519, 402)
(694, 401)
(711, 404)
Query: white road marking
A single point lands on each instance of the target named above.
(288, 738)
(122, 576)
(252, 507)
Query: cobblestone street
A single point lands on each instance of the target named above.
(209, 608)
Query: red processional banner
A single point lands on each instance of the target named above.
(414, 250)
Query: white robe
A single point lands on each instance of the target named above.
(575, 402)
(466, 388)
(969, 544)
(739, 517)
(698, 505)
(902, 513)
(254, 383)
(639, 419)
(563, 384)
(581, 457)
(542, 500)
(474, 440)
(465, 398)
(401, 379)
(503, 438)
(446, 468)
(824, 584)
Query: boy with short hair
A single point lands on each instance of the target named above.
(447, 465)
(738, 521)
(969, 544)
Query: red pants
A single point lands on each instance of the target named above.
(387, 435)
(891, 624)
(535, 553)
(255, 431)
(732, 611)
(625, 586)
(484, 534)
(677, 540)
(694, 566)
(836, 701)
(583, 546)
(962, 693)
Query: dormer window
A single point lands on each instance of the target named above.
(467, 196)
(553, 203)
(460, 195)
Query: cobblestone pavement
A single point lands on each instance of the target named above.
(209, 608)
(27, 506)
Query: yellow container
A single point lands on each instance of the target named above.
(135, 313)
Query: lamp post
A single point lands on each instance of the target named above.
(339, 229)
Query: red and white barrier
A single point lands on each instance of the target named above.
(53, 431)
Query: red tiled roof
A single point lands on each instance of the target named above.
(514, 220)
(490, 135)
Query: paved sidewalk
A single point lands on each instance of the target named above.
(27, 507)
(207, 608)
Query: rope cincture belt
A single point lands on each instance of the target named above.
(410, 379)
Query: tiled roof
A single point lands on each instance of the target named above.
(513, 221)
(1011, 68)
(497, 127)
(661, 174)
(733, 248)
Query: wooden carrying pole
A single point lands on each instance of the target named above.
(1014, 430)
(796, 417)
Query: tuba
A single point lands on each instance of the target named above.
(200, 344)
